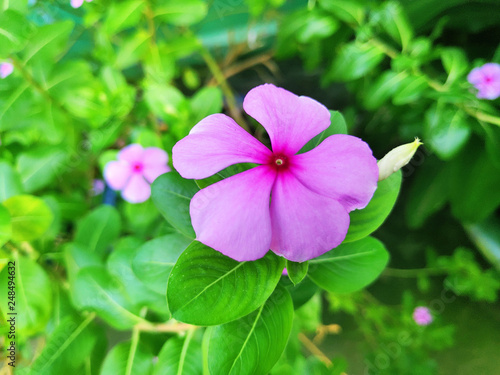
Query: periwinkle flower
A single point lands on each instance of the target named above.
(6, 69)
(422, 316)
(486, 79)
(78, 3)
(297, 205)
(134, 171)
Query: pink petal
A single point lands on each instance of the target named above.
(305, 224)
(76, 3)
(154, 156)
(6, 69)
(215, 143)
(132, 153)
(137, 190)
(117, 174)
(232, 215)
(152, 171)
(342, 167)
(290, 120)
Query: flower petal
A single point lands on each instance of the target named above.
(131, 153)
(215, 143)
(137, 190)
(305, 224)
(232, 215)
(117, 174)
(342, 167)
(290, 120)
(152, 171)
(76, 3)
(154, 156)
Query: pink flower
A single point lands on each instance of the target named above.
(312, 193)
(6, 69)
(134, 171)
(78, 3)
(98, 187)
(422, 316)
(486, 79)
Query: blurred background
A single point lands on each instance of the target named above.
(88, 78)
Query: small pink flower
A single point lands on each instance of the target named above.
(98, 187)
(486, 79)
(78, 3)
(134, 171)
(422, 316)
(6, 69)
(311, 193)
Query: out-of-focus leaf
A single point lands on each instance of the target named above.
(132, 49)
(185, 13)
(33, 296)
(350, 11)
(122, 15)
(254, 343)
(412, 89)
(206, 287)
(337, 126)
(455, 63)
(382, 89)
(14, 32)
(486, 237)
(350, 266)
(395, 22)
(155, 259)
(30, 217)
(171, 195)
(48, 42)
(180, 356)
(10, 182)
(205, 102)
(5, 225)
(127, 358)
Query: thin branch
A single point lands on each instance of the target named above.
(314, 350)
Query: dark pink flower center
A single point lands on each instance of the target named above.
(279, 161)
(488, 79)
(137, 167)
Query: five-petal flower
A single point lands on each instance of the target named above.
(134, 171)
(486, 79)
(311, 193)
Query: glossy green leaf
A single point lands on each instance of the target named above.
(296, 271)
(350, 11)
(10, 182)
(67, 348)
(33, 296)
(180, 356)
(30, 217)
(370, 218)
(395, 22)
(96, 290)
(454, 62)
(172, 194)
(411, 90)
(5, 225)
(41, 166)
(253, 344)
(49, 41)
(123, 15)
(98, 229)
(155, 259)
(128, 358)
(353, 61)
(185, 13)
(208, 288)
(337, 126)
(205, 102)
(350, 266)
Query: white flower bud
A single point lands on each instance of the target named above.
(396, 159)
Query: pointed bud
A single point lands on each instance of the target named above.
(396, 159)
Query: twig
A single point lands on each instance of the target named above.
(314, 350)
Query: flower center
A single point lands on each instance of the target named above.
(279, 161)
(137, 167)
(488, 79)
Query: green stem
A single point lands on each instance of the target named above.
(136, 332)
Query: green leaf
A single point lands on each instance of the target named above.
(446, 130)
(5, 225)
(395, 22)
(155, 259)
(350, 266)
(30, 217)
(14, 31)
(207, 288)
(454, 62)
(76, 257)
(486, 237)
(370, 218)
(412, 89)
(354, 61)
(48, 42)
(205, 102)
(128, 358)
(172, 194)
(40, 167)
(98, 229)
(337, 126)
(350, 11)
(33, 299)
(95, 290)
(67, 348)
(132, 49)
(180, 356)
(382, 89)
(254, 343)
(123, 15)
(296, 271)
(10, 182)
(185, 13)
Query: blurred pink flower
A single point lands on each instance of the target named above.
(422, 316)
(98, 187)
(134, 171)
(486, 79)
(78, 3)
(312, 193)
(6, 69)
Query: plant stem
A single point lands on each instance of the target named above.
(166, 327)
(314, 350)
